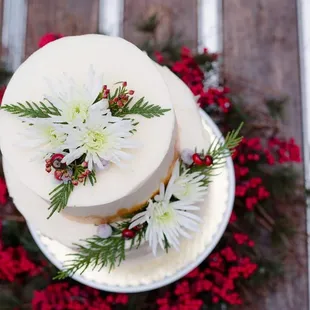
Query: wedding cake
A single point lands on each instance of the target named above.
(106, 150)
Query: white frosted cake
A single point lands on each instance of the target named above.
(105, 147)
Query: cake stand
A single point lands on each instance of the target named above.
(195, 251)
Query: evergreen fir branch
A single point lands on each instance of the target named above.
(32, 109)
(141, 108)
(59, 197)
(97, 252)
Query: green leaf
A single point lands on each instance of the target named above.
(32, 109)
(141, 108)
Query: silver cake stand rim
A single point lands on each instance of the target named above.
(181, 273)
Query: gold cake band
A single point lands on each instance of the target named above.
(121, 213)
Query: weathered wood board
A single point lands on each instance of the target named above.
(261, 60)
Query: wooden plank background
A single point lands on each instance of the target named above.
(260, 60)
(69, 17)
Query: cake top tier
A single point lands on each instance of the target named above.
(65, 69)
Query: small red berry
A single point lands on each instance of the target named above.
(128, 233)
(48, 169)
(124, 84)
(208, 160)
(75, 182)
(81, 180)
(131, 92)
(138, 227)
(197, 159)
(86, 172)
(104, 87)
(56, 161)
(85, 164)
(58, 174)
(48, 162)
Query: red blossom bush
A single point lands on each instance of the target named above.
(3, 192)
(15, 263)
(49, 37)
(189, 71)
(63, 296)
(2, 91)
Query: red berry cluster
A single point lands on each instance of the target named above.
(105, 92)
(130, 233)
(121, 96)
(199, 161)
(64, 173)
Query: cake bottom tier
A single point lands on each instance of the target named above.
(141, 271)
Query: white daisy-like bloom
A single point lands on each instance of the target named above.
(188, 186)
(102, 137)
(44, 135)
(75, 101)
(168, 220)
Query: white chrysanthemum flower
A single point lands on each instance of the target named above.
(75, 101)
(187, 186)
(44, 135)
(167, 220)
(102, 138)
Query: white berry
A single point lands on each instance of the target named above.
(104, 231)
(186, 156)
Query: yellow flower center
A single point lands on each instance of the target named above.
(95, 140)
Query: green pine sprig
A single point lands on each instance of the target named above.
(219, 151)
(59, 197)
(98, 252)
(32, 109)
(141, 108)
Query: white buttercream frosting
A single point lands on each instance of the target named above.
(116, 188)
(118, 60)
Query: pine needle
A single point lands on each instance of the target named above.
(219, 151)
(98, 252)
(141, 108)
(32, 109)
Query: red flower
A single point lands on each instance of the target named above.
(240, 238)
(14, 262)
(159, 57)
(49, 37)
(2, 91)
(63, 296)
(3, 192)
(233, 217)
(215, 97)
